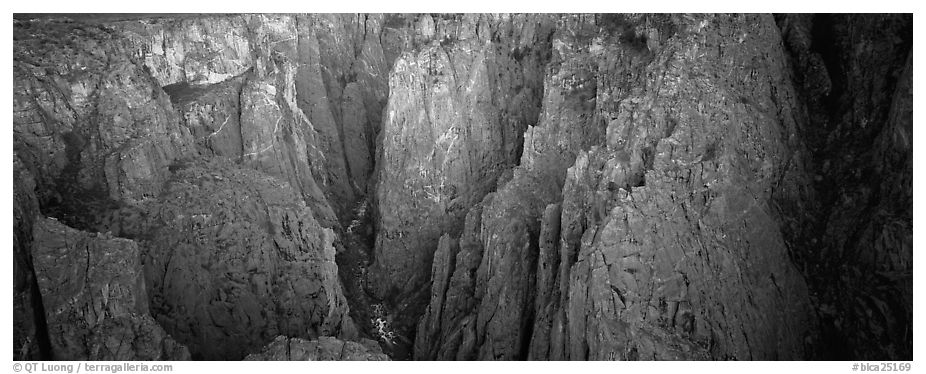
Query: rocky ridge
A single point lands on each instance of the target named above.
(81, 90)
(530, 187)
(460, 99)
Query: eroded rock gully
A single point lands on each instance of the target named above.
(498, 187)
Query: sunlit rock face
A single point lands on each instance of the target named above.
(673, 206)
(459, 103)
(321, 79)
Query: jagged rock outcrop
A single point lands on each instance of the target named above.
(93, 292)
(100, 146)
(855, 226)
(30, 334)
(459, 102)
(254, 121)
(326, 76)
(324, 348)
(441, 269)
(665, 223)
(234, 256)
(89, 123)
(90, 128)
(509, 218)
(494, 187)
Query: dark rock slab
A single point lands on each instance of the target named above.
(94, 296)
(233, 258)
(325, 348)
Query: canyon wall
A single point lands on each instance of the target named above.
(641, 213)
(99, 310)
(854, 227)
(318, 81)
(565, 187)
(113, 125)
(460, 99)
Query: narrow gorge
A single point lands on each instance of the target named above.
(463, 187)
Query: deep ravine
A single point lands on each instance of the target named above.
(462, 187)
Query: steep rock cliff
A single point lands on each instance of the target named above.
(90, 129)
(327, 75)
(524, 186)
(855, 226)
(30, 333)
(679, 222)
(673, 196)
(234, 256)
(459, 102)
(100, 146)
(94, 295)
(89, 123)
(497, 236)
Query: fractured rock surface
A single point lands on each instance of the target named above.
(101, 146)
(493, 187)
(89, 123)
(665, 222)
(322, 349)
(326, 76)
(856, 78)
(99, 309)
(235, 256)
(458, 106)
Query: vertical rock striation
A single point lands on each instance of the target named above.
(459, 102)
(89, 123)
(235, 256)
(101, 146)
(676, 206)
(493, 276)
(90, 129)
(320, 80)
(30, 334)
(665, 224)
(93, 291)
(565, 187)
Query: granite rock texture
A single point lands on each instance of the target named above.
(497, 187)
(89, 123)
(103, 148)
(664, 223)
(90, 128)
(234, 256)
(459, 100)
(30, 334)
(322, 349)
(856, 228)
(325, 74)
(94, 295)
